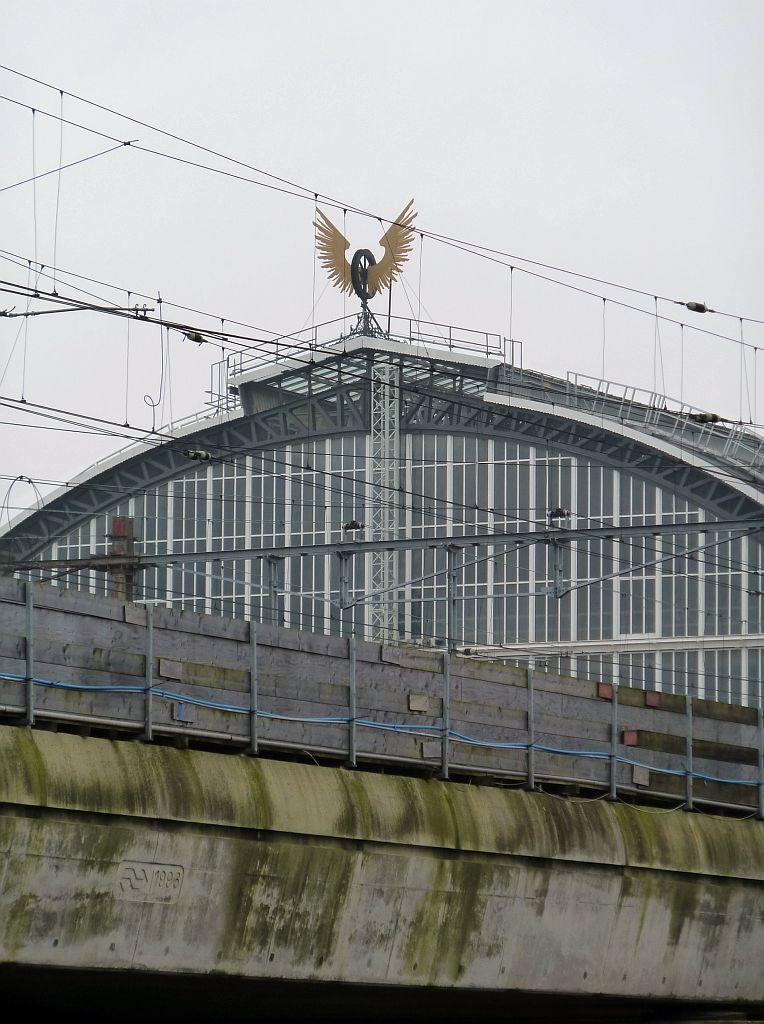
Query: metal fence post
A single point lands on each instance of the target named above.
(760, 723)
(613, 794)
(29, 651)
(531, 733)
(148, 733)
(253, 687)
(688, 756)
(451, 584)
(352, 702)
(446, 731)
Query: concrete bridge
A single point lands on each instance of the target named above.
(143, 881)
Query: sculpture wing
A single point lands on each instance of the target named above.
(332, 245)
(397, 242)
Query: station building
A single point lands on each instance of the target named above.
(433, 433)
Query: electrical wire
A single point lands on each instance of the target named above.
(63, 167)
(246, 342)
(363, 377)
(310, 193)
(466, 247)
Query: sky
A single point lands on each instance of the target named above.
(620, 141)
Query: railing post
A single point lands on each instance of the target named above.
(148, 732)
(688, 756)
(613, 794)
(446, 730)
(760, 723)
(29, 651)
(352, 702)
(253, 687)
(531, 732)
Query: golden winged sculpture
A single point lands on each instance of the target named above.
(363, 275)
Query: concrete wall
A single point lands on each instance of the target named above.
(120, 855)
(87, 655)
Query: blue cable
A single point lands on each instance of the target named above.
(461, 737)
(652, 767)
(717, 778)
(598, 755)
(402, 727)
(319, 719)
(86, 687)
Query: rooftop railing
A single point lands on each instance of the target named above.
(301, 346)
(721, 440)
(678, 421)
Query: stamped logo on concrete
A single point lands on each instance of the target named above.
(148, 883)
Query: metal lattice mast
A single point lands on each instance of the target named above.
(384, 459)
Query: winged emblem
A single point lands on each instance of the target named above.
(363, 275)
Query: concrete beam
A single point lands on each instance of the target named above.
(121, 856)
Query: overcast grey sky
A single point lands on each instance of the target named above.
(619, 140)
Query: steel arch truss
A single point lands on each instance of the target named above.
(431, 411)
(434, 397)
(342, 409)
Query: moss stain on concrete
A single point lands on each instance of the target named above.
(117, 777)
(23, 765)
(303, 832)
(442, 935)
(286, 899)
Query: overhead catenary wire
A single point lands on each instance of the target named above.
(242, 341)
(718, 565)
(727, 565)
(710, 640)
(247, 340)
(111, 310)
(277, 336)
(514, 590)
(515, 651)
(361, 377)
(483, 252)
(633, 569)
(57, 170)
(310, 193)
(512, 513)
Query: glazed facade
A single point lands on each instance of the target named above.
(695, 586)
